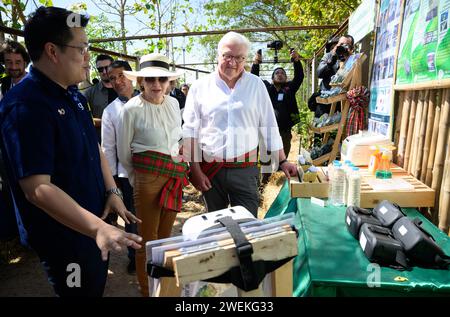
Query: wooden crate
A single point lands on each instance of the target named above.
(421, 196)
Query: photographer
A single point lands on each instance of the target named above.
(330, 62)
(282, 95)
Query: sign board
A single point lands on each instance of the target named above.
(362, 20)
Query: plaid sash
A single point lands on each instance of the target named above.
(160, 164)
(212, 168)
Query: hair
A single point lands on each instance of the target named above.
(13, 47)
(121, 64)
(273, 73)
(103, 57)
(185, 85)
(350, 38)
(50, 24)
(233, 38)
(330, 43)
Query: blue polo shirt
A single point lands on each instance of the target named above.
(47, 129)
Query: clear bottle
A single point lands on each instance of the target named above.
(338, 183)
(330, 181)
(354, 188)
(347, 168)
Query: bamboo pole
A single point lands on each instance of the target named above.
(398, 120)
(412, 117)
(440, 150)
(415, 137)
(437, 118)
(421, 137)
(428, 134)
(444, 203)
(404, 128)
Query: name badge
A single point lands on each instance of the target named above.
(280, 97)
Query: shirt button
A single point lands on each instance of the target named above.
(92, 158)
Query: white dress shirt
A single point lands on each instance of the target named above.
(229, 122)
(148, 127)
(110, 126)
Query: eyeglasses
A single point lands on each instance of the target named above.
(82, 49)
(103, 68)
(162, 80)
(238, 59)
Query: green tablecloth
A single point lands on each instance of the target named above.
(330, 261)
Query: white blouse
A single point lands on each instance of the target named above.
(144, 126)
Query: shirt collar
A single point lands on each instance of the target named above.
(51, 85)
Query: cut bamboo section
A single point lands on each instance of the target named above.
(404, 128)
(428, 135)
(440, 148)
(444, 174)
(415, 138)
(417, 168)
(444, 208)
(412, 117)
(431, 156)
(398, 121)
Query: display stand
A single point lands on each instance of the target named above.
(352, 79)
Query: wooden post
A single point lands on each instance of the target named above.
(417, 168)
(404, 128)
(398, 120)
(440, 149)
(282, 280)
(428, 134)
(415, 137)
(412, 117)
(430, 164)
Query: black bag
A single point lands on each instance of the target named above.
(380, 246)
(388, 213)
(355, 217)
(420, 246)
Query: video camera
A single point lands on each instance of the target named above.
(275, 45)
(342, 52)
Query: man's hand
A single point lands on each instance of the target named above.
(258, 58)
(289, 169)
(200, 181)
(115, 204)
(110, 238)
(294, 56)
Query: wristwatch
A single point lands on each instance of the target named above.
(115, 191)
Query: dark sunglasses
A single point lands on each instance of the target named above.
(153, 79)
(101, 69)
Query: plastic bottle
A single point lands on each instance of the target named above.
(354, 188)
(338, 183)
(384, 169)
(330, 180)
(348, 165)
(374, 161)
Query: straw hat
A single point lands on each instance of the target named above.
(153, 65)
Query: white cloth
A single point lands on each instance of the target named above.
(110, 126)
(229, 122)
(148, 127)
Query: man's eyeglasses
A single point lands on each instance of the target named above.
(162, 80)
(238, 59)
(82, 49)
(103, 68)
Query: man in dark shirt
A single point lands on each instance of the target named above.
(282, 94)
(177, 94)
(59, 176)
(100, 95)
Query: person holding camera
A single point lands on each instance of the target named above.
(282, 94)
(333, 60)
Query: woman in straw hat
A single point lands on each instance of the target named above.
(148, 147)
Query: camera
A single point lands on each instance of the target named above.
(275, 45)
(342, 52)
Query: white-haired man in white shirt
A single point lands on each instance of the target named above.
(226, 114)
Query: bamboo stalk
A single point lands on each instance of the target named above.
(415, 137)
(428, 134)
(398, 120)
(412, 117)
(421, 137)
(440, 150)
(444, 209)
(404, 128)
(437, 118)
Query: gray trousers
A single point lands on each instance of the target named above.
(234, 186)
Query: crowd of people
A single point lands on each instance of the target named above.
(127, 145)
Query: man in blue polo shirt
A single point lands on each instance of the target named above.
(59, 176)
